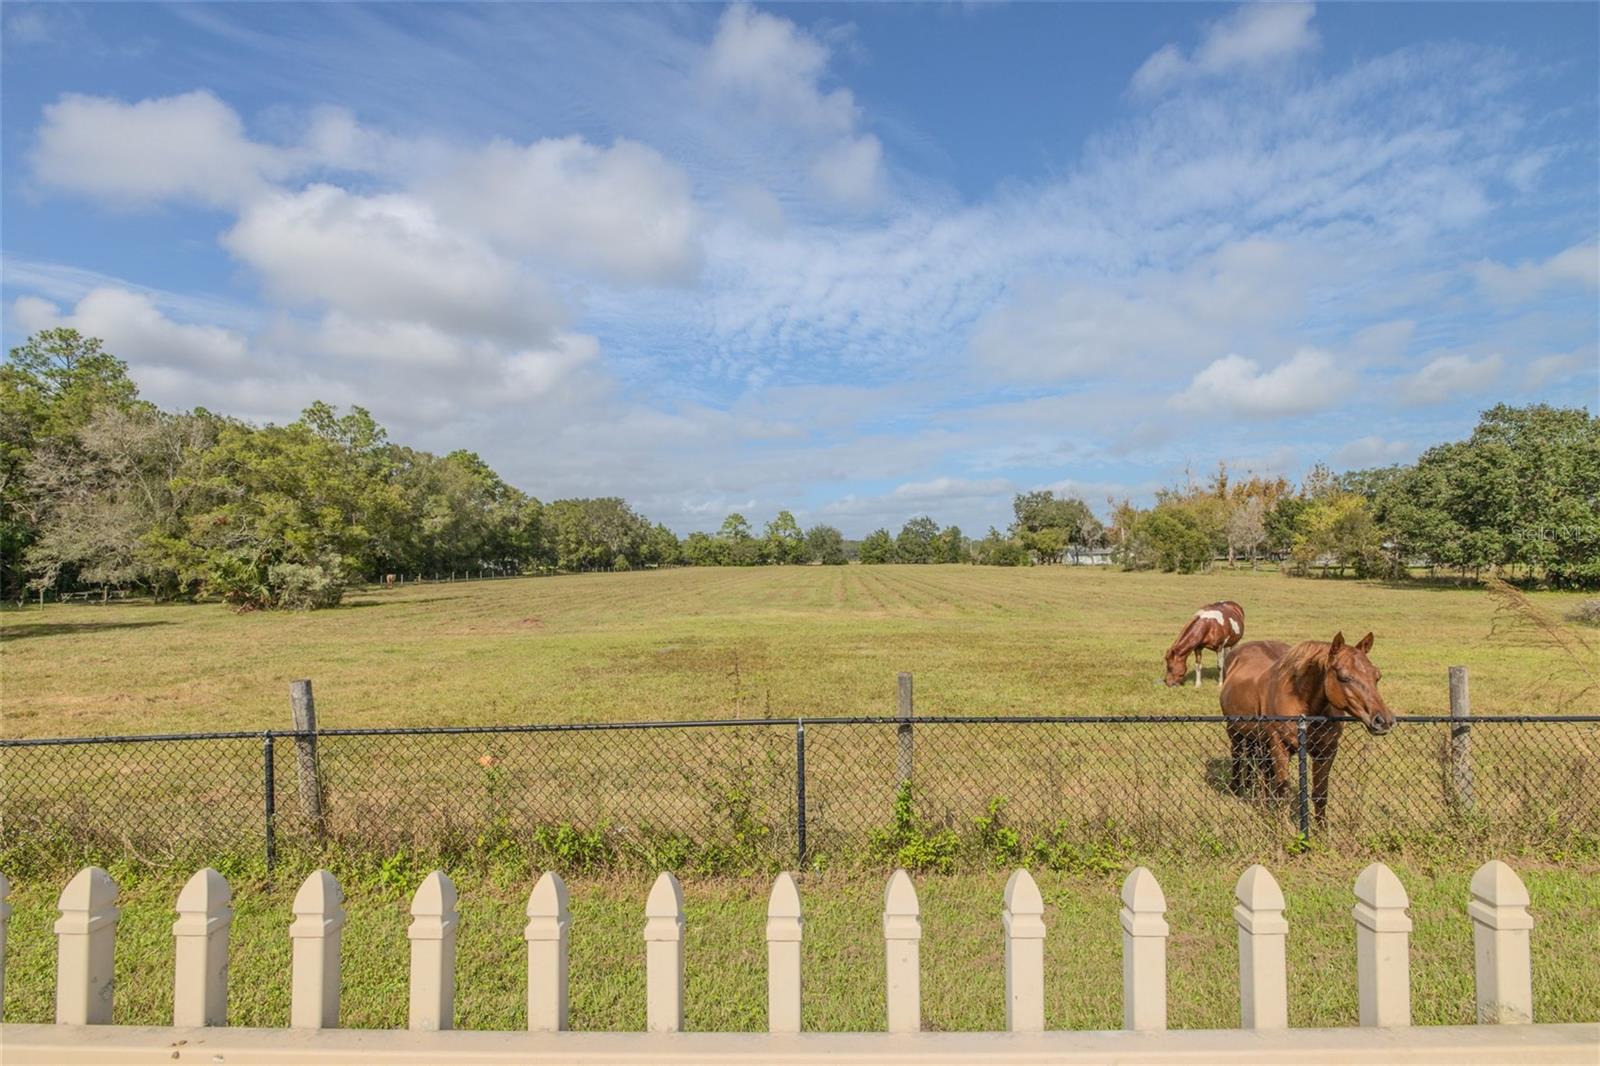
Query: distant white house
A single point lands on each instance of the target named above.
(1089, 557)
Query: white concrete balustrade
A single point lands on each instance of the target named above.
(86, 931)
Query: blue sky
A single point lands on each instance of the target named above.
(863, 262)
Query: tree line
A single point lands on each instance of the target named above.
(99, 488)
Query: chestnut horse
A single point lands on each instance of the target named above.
(1218, 626)
(1310, 680)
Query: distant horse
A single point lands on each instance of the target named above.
(1218, 626)
(1309, 680)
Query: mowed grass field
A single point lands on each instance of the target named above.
(711, 643)
(685, 644)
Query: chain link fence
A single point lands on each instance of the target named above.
(758, 795)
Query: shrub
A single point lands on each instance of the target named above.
(297, 587)
(1586, 613)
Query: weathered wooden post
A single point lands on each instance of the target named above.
(905, 712)
(783, 956)
(902, 930)
(85, 941)
(1023, 920)
(1501, 927)
(1263, 972)
(433, 954)
(200, 945)
(315, 931)
(663, 956)
(1383, 960)
(307, 768)
(546, 934)
(1144, 952)
(1458, 774)
(5, 919)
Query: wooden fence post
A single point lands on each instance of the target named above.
(314, 986)
(85, 941)
(1144, 952)
(903, 751)
(1501, 927)
(663, 956)
(1383, 962)
(1458, 773)
(1023, 920)
(1263, 973)
(783, 956)
(546, 933)
(305, 749)
(5, 919)
(200, 947)
(902, 929)
(433, 954)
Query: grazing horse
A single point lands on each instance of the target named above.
(1218, 626)
(1310, 680)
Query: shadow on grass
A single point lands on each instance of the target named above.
(25, 630)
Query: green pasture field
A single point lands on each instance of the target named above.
(810, 641)
(714, 643)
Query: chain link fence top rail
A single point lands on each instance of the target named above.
(764, 794)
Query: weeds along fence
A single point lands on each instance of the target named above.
(745, 796)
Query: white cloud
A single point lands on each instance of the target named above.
(773, 63)
(388, 256)
(135, 330)
(1233, 385)
(1551, 368)
(1578, 266)
(1373, 450)
(1448, 376)
(1256, 33)
(188, 147)
(624, 212)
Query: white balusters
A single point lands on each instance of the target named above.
(315, 932)
(1023, 920)
(663, 946)
(902, 930)
(433, 953)
(1383, 962)
(85, 940)
(5, 919)
(783, 956)
(1263, 932)
(546, 934)
(1500, 930)
(200, 946)
(1144, 952)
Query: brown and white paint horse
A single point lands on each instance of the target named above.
(1310, 680)
(1218, 626)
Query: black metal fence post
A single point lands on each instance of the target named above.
(1305, 778)
(269, 798)
(800, 787)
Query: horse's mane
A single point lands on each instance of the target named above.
(1303, 667)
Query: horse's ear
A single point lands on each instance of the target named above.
(1365, 644)
(1338, 642)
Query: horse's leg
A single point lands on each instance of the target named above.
(1238, 748)
(1320, 770)
(1280, 764)
(1197, 652)
(1222, 663)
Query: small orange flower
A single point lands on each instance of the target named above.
(487, 760)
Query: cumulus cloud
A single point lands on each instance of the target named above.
(137, 331)
(188, 147)
(1575, 267)
(1309, 381)
(1256, 33)
(388, 256)
(624, 212)
(1448, 376)
(768, 60)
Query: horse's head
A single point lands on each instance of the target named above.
(1351, 684)
(1177, 668)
